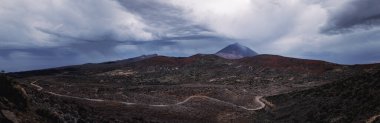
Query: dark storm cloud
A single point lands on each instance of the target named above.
(363, 14)
(167, 22)
(48, 33)
(108, 42)
(167, 18)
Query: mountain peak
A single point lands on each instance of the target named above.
(236, 51)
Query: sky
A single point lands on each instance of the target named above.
(37, 34)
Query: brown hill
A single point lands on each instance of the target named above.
(294, 64)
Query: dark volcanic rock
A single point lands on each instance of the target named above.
(14, 103)
(351, 100)
(236, 51)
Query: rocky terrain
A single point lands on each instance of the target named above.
(354, 99)
(196, 89)
(15, 103)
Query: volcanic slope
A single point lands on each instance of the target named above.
(227, 85)
(355, 99)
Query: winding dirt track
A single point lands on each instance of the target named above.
(257, 100)
(39, 88)
(373, 119)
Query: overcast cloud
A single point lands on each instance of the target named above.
(48, 33)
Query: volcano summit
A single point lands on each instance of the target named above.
(236, 51)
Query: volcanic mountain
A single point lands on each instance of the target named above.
(236, 51)
(202, 88)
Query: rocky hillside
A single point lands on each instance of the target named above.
(355, 99)
(14, 103)
(159, 89)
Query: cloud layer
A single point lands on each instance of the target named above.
(353, 15)
(47, 33)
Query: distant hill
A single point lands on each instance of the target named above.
(85, 68)
(236, 51)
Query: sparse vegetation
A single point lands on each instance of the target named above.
(302, 90)
(350, 100)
